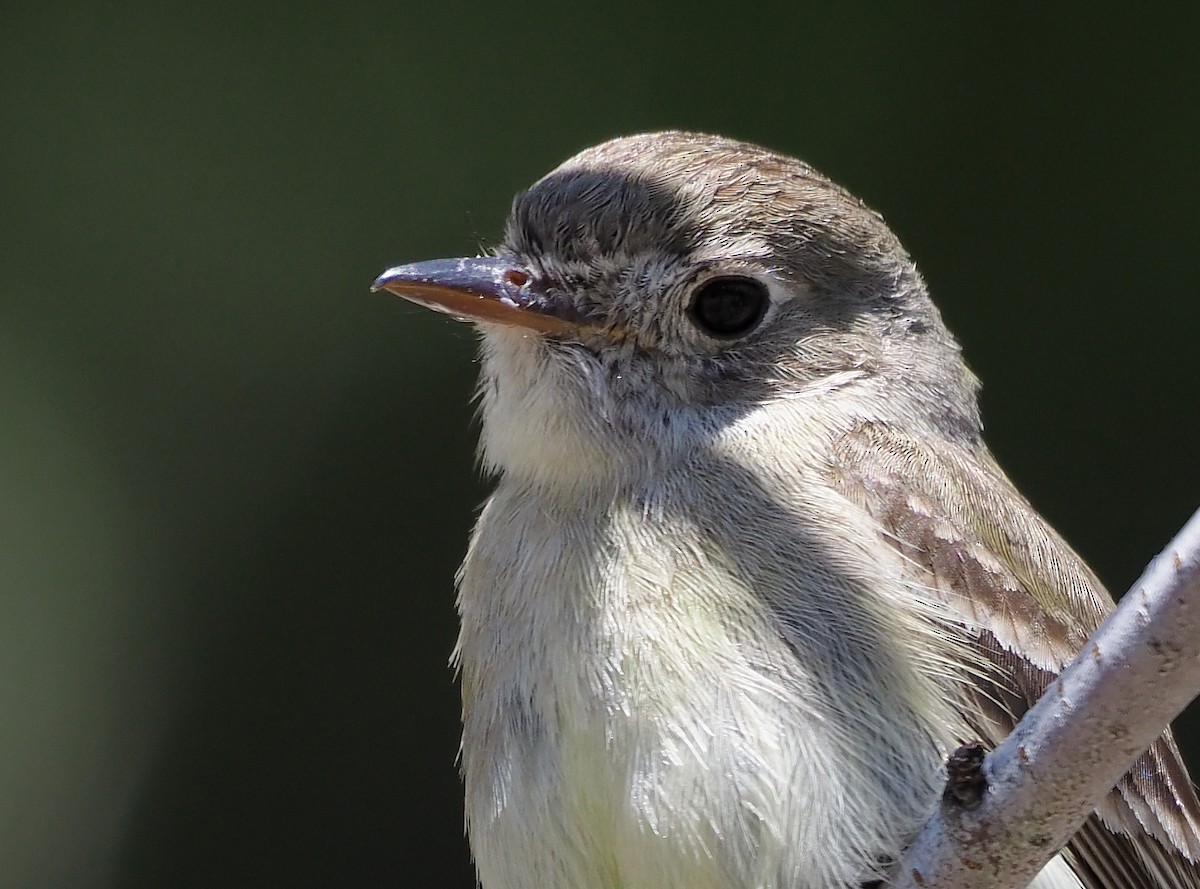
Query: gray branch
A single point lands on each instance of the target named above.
(1136, 673)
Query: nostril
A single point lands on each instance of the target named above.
(516, 277)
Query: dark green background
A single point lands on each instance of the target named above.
(234, 485)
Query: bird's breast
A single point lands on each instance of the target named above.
(647, 705)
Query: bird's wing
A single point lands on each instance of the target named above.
(1026, 603)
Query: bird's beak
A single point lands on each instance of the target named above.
(487, 289)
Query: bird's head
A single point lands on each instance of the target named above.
(655, 289)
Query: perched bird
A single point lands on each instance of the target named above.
(749, 571)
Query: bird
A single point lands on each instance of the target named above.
(748, 572)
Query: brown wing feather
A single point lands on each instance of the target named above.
(1027, 603)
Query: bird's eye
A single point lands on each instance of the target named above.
(727, 308)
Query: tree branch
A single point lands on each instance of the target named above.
(1136, 673)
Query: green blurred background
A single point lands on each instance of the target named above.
(234, 485)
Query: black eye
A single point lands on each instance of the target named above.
(726, 308)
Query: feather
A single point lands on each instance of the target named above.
(1026, 602)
